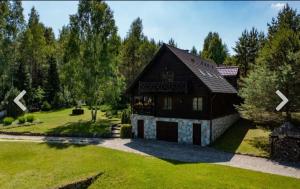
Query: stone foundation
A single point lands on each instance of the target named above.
(185, 127)
(220, 125)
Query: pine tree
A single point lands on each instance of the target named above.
(214, 49)
(53, 82)
(247, 48)
(277, 67)
(194, 51)
(131, 61)
(172, 42)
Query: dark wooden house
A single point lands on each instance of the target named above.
(182, 98)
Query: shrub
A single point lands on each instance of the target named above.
(22, 120)
(8, 120)
(58, 101)
(46, 106)
(126, 131)
(30, 118)
(125, 117)
(105, 108)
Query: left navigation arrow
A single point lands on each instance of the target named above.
(17, 100)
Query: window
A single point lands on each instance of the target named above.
(197, 104)
(167, 103)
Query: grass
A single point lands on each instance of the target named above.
(27, 165)
(251, 137)
(245, 137)
(61, 123)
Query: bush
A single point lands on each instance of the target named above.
(77, 111)
(58, 101)
(22, 120)
(8, 120)
(126, 131)
(105, 108)
(46, 106)
(30, 118)
(125, 117)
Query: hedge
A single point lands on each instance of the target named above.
(126, 131)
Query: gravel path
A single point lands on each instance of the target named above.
(174, 151)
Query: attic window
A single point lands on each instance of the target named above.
(208, 74)
(202, 72)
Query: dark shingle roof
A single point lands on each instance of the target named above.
(228, 70)
(206, 71)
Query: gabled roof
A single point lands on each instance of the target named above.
(228, 70)
(206, 71)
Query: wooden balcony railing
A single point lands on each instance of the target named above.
(152, 87)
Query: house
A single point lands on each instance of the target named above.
(181, 98)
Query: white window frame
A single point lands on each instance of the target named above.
(197, 104)
(168, 103)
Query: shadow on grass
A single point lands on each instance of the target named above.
(234, 136)
(86, 132)
(82, 129)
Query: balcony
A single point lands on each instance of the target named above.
(163, 87)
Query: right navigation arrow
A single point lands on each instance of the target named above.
(284, 100)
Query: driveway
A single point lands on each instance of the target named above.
(174, 151)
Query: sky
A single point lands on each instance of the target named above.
(187, 22)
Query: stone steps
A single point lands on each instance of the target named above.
(115, 131)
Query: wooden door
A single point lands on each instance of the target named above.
(140, 129)
(167, 131)
(197, 134)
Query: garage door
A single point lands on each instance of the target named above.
(167, 131)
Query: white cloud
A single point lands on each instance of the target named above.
(277, 6)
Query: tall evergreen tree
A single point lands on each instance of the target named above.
(194, 51)
(131, 61)
(247, 48)
(214, 49)
(53, 82)
(172, 42)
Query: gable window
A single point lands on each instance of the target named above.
(197, 103)
(167, 103)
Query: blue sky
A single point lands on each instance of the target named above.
(187, 22)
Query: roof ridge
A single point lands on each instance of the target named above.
(187, 52)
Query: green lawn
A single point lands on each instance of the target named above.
(62, 123)
(251, 137)
(28, 165)
(245, 137)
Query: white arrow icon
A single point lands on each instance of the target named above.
(17, 100)
(284, 100)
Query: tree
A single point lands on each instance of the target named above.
(53, 83)
(172, 42)
(11, 25)
(214, 49)
(247, 48)
(100, 47)
(279, 60)
(136, 51)
(194, 51)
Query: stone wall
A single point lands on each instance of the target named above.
(220, 125)
(185, 128)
